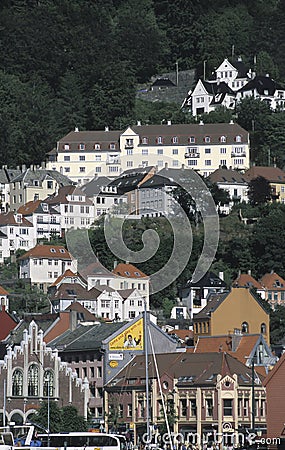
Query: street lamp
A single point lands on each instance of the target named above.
(47, 381)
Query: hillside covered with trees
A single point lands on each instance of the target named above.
(67, 63)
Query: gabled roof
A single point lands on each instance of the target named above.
(47, 251)
(90, 138)
(219, 87)
(241, 67)
(125, 293)
(86, 337)
(132, 178)
(246, 280)
(84, 314)
(96, 269)
(9, 219)
(94, 186)
(67, 274)
(157, 181)
(190, 369)
(75, 291)
(29, 176)
(262, 84)
(63, 192)
(227, 176)
(273, 281)
(36, 206)
(210, 279)
(163, 82)
(129, 271)
(278, 366)
(3, 291)
(271, 174)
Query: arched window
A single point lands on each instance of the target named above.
(48, 383)
(17, 382)
(263, 328)
(244, 327)
(33, 380)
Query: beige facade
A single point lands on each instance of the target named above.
(202, 147)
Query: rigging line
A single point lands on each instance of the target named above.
(160, 391)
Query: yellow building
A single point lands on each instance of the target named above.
(274, 175)
(203, 147)
(236, 312)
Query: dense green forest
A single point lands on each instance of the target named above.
(67, 63)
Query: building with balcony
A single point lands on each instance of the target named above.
(45, 219)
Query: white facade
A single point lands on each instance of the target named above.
(228, 73)
(19, 231)
(4, 247)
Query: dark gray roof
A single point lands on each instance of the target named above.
(241, 68)
(158, 181)
(219, 87)
(262, 84)
(86, 337)
(89, 139)
(130, 179)
(213, 303)
(227, 176)
(94, 186)
(210, 279)
(163, 82)
(29, 176)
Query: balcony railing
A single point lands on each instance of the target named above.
(129, 145)
(192, 155)
(113, 161)
(237, 155)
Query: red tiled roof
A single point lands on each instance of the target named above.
(182, 334)
(128, 270)
(67, 273)
(3, 291)
(62, 194)
(273, 281)
(47, 251)
(29, 208)
(272, 174)
(246, 280)
(9, 219)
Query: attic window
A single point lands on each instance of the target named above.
(207, 139)
(112, 146)
(62, 250)
(53, 250)
(192, 140)
(144, 140)
(223, 139)
(81, 146)
(97, 146)
(137, 274)
(127, 273)
(159, 140)
(66, 146)
(238, 138)
(175, 140)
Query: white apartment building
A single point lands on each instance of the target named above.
(19, 231)
(44, 218)
(202, 147)
(43, 264)
(4, 247)
(75, 209)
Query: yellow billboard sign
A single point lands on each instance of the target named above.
(130, 339)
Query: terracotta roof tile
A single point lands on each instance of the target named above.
(3, 291)
(273, 281)
(128, 270)
(272, 174)
(47, 251)
(246, 280)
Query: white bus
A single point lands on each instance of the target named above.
(78, 441)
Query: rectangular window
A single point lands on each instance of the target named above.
(208, 162)
(130, 163)
(223, 150)
(130, 410)
(97, 169)
(175, 163)
(160, 151)
(209, 407)
(175, 151)
(129, 151)
(66, 158)
(144, 151)
(81, 169)
(160, 163)
(223, 162)
(193, 407)
(67, 169)
(228, 407)
(81, 157)
(192, 162)
(113, 169)
(183, 407)
(207, 150)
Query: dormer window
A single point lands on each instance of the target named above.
(238, 138)
(65, 146)
(81, 146)
(112, 146)
(159, 140)
(192, 140)
(127, 273)
(62, 250)
(223, 139)
(207, 139)
(175, 140)
(97, 146)
(144, 140)
(53, 250)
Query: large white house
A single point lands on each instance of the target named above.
(43, 264)
(230, 83)
(44, 218)
(202, 147)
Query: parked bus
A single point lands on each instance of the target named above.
(78, 441)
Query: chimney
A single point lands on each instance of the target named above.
(221, 275)
(201, 122)
(183, 166)
(76, 129)
(249, 272)
(169, 122)
(106, 128)
(115, 264)
(166, 165)
(43, 165)
(231, 122)
(72, 320)
(23, 168)
(139, 123)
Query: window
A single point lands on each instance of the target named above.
(207, 150)
(144, 140)
(191, 140)
(192, 162)
(132, 314)
(97, 146)
(159, 140)
(113, 169)
(263, 328)
(223, 139)
(33, 380)
(208, 162)
(175, 163)
(228, 407)
(238, 138)
(66, 158)
(160, 163)
(81, 146)
(207, 139)
(48, 383)
(97, 169)
(223, 150)
(193, 407)
(81, 169)
(238, 162)
(67, 169)
(223, 162)
(209, 407)
(81, 157)
(144, 151)
(160, 151)
(129, 151)
(130, 163)
(244, 327)
(175, 140)
(66, 146)
(183, 407)
(17, 382)
(49, 274)
(112, 146)
(130, 410)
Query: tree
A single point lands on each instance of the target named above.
(259, 191)
(71, 421)
(55, 417)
